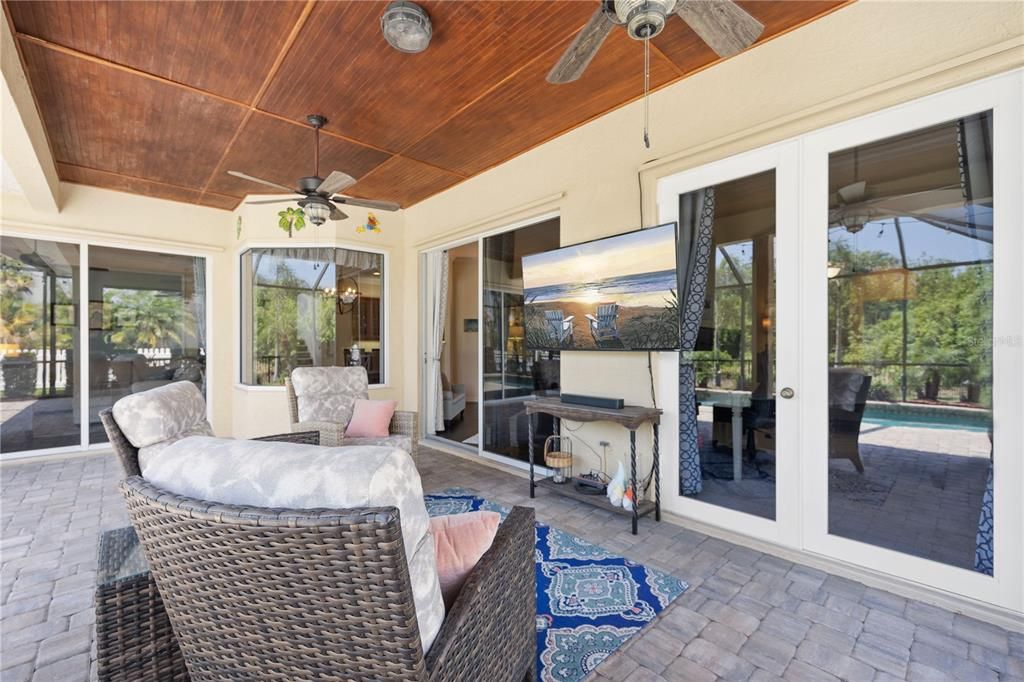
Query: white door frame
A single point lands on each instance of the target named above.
(56, 235)
(1003, 95)
(478, 239)
(802, 341)
(784, 530)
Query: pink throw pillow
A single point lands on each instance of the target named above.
(371, 419)
(459, 542)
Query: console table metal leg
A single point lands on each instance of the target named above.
(657, 476)
(632, 478)
(529, 447)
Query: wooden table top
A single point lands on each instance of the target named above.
(630, 416)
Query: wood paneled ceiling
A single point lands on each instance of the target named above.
(161, 98)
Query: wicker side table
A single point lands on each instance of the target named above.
(134, 639)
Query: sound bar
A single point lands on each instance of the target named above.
(593, 401)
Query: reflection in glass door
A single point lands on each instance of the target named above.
(512, 374)
(38, 344)
(910, 284)
(147, 325)
(730, 371)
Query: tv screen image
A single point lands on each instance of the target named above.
(616, 293)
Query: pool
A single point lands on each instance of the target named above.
(926, 417)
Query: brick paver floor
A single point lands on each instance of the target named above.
(747, 615)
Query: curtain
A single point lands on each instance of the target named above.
(359, 260)
(696, 224)
(983, 552)
(199, 300)
(437, 304)
(305, 304)
(974, 158)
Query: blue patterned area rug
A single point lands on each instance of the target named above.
(589, 601)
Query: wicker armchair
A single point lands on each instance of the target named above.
(332, 434)
(128, 454)
(283, 594)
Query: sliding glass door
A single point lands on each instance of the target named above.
(39, 343)
(85, 325)
(479, 373)
(147, 325)
(512, 373)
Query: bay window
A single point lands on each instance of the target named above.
(316, 307)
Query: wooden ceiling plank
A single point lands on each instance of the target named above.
(288, 42)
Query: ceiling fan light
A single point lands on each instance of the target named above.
(316, 212)
(406, 27)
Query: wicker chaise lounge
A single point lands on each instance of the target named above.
(295, 594)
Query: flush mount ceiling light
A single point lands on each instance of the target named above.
(406, 27)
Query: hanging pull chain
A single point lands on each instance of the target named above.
(647, 88)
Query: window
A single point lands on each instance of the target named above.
(318, 307)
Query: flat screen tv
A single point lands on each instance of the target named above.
(617, 293)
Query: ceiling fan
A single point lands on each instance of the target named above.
(722, 24)
(319, 199)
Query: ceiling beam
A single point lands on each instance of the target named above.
(26, 148)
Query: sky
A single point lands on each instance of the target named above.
(650, 250)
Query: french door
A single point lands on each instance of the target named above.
(733, 388)
(910, 320)
(888, 421)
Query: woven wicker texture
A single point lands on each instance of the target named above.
(134, 639)
(274, 594)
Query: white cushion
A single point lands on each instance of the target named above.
(292, 476)
(329, 394)
(153, 419)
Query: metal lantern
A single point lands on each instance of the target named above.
(558, 457)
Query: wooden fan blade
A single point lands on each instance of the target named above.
(725, 26)
(272, 201)
(268, 183)
(367, 203)
(335, 182)
(578, 55)
(338, 214)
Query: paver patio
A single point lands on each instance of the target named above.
(747, 615)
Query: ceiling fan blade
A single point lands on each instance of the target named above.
(268, 183)
(336, 182)
(577, 57)
(725, 26)
(338, 214)
(368, 203)
(272, 201)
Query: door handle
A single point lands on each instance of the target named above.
(787, 393)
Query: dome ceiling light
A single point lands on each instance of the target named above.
(406, 27)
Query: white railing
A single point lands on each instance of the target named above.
(59, 364)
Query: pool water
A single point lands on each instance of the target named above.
(949, 422)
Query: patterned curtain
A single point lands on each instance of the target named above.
(696, 224)
(983, 554)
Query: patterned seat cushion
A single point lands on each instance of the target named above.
(392, 441)
(292, 476)
(329, 394)
(153, 419)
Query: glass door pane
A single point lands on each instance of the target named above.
(147, 325)
(38, 343)
(512, 374)
(460, 350)
(732, 376)
(910, 284)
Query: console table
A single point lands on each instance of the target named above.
(630, 417)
